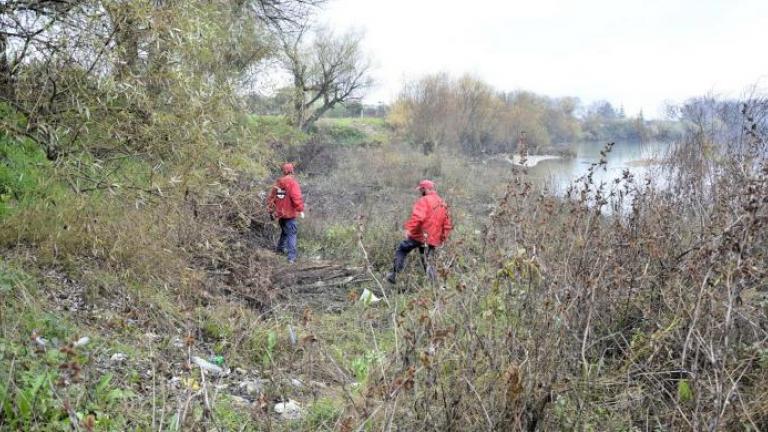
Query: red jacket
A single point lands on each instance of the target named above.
(285, 201)
(430, 222)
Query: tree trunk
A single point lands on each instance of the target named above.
(314, 117)
(157, 56)
(7, 90)
(126, 39)
(298, 104)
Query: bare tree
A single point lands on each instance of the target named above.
(328, 71)
(42, 44)
(432, 113)
(6, 76)
(25, 28)
(478, 114)
(281, 13)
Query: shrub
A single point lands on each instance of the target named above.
(24, 175)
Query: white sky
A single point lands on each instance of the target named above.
(635, 53)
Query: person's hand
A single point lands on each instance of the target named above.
(406, 234)
(301, 215)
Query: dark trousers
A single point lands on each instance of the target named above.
(405, 247)
(288, 233)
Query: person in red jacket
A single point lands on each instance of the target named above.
(285, 203)
(428, 228)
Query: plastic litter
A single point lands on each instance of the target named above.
(368, 297)
(118, 358)
(83, 341)
(191, 383)
(207, 366)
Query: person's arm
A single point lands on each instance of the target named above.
(447, 225)
(271, 204)
(294, 194)
(413, 224)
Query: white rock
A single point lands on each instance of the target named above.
(237, 400)
(118, 358)
(296, 383)
(318, 384)
(290, 410)
(368, 297)
(252, 388)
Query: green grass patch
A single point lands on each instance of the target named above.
(277, 129)
(24, 175)
(47, 386)
(352, 132)
(322, 414)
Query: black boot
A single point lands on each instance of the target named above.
(391, 277)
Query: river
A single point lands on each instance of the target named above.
(642, 161)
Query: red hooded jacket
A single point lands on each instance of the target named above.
(285, 201)
(430, 222)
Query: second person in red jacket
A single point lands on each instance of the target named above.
(428, 227)
(285, 204)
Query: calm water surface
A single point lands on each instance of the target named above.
(641, 160)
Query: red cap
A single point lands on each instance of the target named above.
(426, 185)
(287, 168)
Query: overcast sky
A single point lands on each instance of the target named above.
(635, 53)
